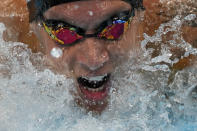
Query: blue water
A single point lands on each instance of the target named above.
(33, 98)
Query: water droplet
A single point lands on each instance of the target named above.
(190, 17)
(56, 52)
(90, 13)
(39, 24)
(76, 6)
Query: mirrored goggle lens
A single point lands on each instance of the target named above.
(114, 31)
(67, 36)
(63, 36)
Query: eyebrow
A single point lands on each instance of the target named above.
(97, 27)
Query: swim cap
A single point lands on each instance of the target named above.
(38, 7)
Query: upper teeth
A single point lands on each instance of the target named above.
(95, 83)
(96, 78)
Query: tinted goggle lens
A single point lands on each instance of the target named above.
(63, 36)
(114, 31)
(70, 35)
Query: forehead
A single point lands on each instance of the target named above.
(38, 7)
(50, 3)
(86, 11)
(78, 7)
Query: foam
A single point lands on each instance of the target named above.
(36, 100)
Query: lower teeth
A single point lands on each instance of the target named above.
(94, 90)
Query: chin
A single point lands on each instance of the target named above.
(93, 92)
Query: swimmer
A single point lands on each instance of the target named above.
(62, 57)
(80, 57)
(87, 39)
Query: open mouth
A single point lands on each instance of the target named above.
(94, 88)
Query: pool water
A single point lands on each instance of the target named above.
(33, 98)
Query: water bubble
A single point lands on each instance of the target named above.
(39, 24)
(76, 7)
(39, 100)
(190, 17)
(90, 13)
(56, 52)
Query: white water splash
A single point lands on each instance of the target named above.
(33, 98)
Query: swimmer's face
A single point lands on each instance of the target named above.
(91, 61)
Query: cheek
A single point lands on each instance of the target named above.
(51, 49)
(52, 52)
(61, 60)
(129, 42)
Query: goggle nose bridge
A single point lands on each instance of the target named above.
(90, 35)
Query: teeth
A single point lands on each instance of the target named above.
(93, 84)
(96, 78)
(94, 90)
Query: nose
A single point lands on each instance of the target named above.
(93, 54)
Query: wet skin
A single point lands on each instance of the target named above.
(152, 22)
(90, 57)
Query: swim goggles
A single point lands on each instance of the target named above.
(66, 34)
